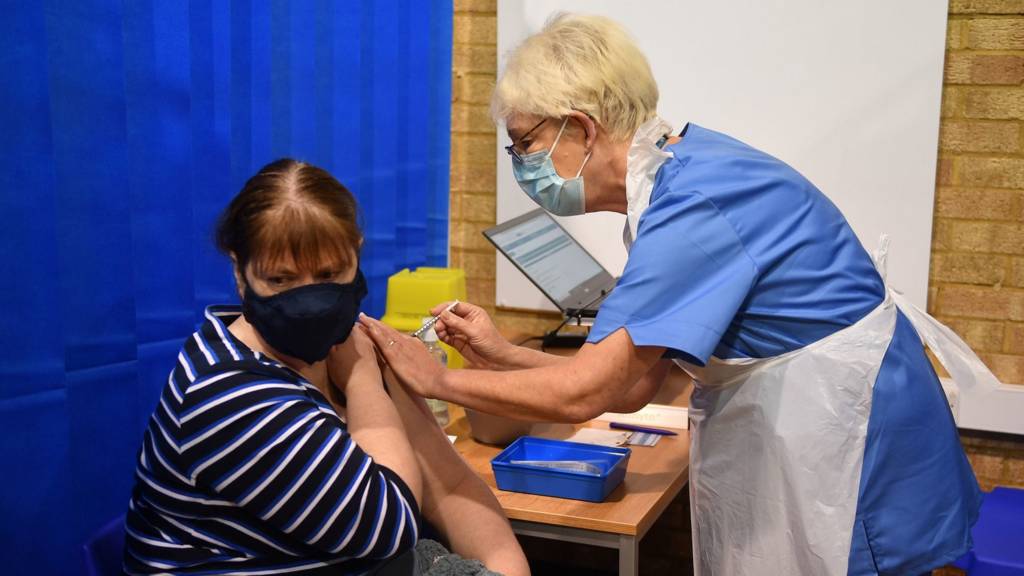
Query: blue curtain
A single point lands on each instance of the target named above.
(129, 125)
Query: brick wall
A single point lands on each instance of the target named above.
(977, 272)
(473, 168)
(976, 285)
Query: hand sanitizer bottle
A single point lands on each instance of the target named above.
(438, 407)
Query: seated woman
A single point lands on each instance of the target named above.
(247, 468)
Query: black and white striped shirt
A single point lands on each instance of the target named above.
(245, 468)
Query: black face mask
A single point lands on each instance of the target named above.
(305, 322)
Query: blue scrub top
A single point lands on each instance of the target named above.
(740, 256)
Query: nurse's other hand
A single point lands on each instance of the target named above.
(407, 357)
(354, 361)
(469, 329)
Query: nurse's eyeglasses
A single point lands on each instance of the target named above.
(511, 148)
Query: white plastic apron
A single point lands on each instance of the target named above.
(777, 444)
(776, 448)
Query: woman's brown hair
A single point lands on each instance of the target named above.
(290, 210)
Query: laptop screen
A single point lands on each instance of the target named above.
(547, 254)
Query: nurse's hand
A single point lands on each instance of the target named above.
(469, 329)
(407, 357)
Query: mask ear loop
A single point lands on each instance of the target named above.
(584, 163)
(558, 137)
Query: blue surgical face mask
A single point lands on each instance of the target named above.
(537, 177)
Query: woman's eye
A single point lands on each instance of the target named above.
(327, 276)
(276, 280)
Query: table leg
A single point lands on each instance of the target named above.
(628, 555)
(627, 545)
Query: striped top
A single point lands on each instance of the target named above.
(245, 468)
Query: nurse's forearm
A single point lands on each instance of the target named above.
(569, 390)
(521, 358)
(641, 393)
(541, 394)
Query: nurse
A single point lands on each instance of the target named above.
(822, 442)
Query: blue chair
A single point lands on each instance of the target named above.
(102, 553)
(998, 540)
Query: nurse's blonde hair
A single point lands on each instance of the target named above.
(579, 62)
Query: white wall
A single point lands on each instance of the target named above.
(846, 92)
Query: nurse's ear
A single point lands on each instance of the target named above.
(239, 276)
(586, 121)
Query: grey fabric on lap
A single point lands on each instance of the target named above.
(433, 559)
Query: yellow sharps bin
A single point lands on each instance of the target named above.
(411, 295)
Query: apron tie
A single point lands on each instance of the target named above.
(963, 365)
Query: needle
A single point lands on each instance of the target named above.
(430, 323)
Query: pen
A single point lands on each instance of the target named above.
(635, 428)
(430, 323)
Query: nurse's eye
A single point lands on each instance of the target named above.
(277, 281)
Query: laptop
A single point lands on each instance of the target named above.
(554, 261)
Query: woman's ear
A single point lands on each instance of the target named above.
(358, 252)
(239, 276)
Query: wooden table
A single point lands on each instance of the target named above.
(653, 479)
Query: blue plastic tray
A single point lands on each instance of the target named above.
(556, 482)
